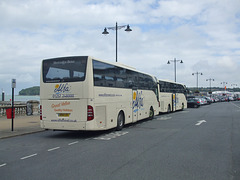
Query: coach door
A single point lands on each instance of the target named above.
(173, 102)
(134, 105)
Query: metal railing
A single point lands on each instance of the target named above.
(21, 108)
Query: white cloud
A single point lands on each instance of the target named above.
(227, 63)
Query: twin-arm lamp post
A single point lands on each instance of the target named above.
(116, 28)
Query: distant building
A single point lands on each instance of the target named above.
(225, 93)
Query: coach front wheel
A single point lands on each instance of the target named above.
(151, 113)
(169, 109)
(120, 121)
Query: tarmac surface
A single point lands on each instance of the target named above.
(21, 125)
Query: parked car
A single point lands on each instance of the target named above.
(223, 99)
(193, 102)
(216, 99)
(202, 100)
(208, 99)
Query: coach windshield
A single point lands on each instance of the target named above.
(67, 69)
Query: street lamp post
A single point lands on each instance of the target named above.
(210, 80)
(224, 85)
(105, 32)
(197, 73)
(233, 84)
(175, 67)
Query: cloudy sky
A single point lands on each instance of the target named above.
(204, 34)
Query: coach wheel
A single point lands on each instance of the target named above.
(120, 121)
(169, 109)
(151, 113)
(182, 106)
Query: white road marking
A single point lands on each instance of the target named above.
(52, 149)
(184, 112)
(235, 105)
(102, 138)
(164, 118)
(73, 143)
(1, 165)
(111, 135)
(200, 122)
(28, 156)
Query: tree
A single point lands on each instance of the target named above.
(30, 91)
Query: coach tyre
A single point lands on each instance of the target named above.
(151, 113)
(169, 109)
(182, 107)
(120, 121)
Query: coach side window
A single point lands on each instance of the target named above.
(103, 74)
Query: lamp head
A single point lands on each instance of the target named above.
(105, 32)
(128, 29)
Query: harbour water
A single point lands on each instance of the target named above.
(21, 98)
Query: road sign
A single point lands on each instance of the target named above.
(13, 83)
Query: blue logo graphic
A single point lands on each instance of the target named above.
(137, 100)
(62, 88)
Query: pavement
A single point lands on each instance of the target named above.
(21, 125)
